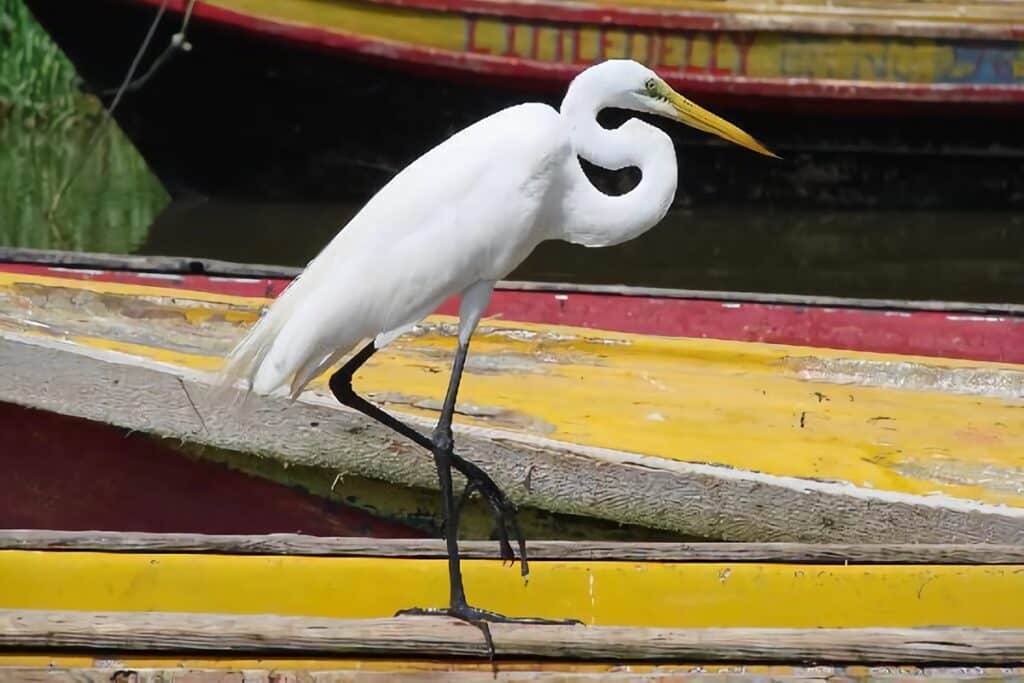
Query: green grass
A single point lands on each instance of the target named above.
(46, 124)
(35, 78)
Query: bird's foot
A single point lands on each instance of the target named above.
(481, 618)
(502, 509)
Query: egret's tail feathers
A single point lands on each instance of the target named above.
(278, 356)
(311, 370)
(233, 382)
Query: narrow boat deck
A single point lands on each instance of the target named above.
(714, 438)
(322, 608)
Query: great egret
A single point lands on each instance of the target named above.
(455, 221)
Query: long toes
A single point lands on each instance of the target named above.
(506, 522)
(475, 614)
(523, 561)
(502, 509)
(507, 554)
(421, 612)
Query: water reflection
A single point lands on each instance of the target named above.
(45, 124)
(109, 206)
(116, 205)
(971, 256)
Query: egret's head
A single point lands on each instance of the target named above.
(638, 88)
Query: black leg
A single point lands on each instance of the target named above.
(477, 479)
(458, 607)
(445, 458)
(457, 592)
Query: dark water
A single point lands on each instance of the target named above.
(971, 256)
(108, 206)
(116, 205)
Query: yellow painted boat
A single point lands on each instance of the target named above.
(156, 601)
(856, 95)
(672, 435)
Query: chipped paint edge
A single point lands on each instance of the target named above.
(934, 501)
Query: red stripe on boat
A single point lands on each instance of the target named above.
(434, 60)
(998, 338)
(72, 474)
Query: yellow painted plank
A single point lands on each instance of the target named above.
(743, 405)
(877, 421)
(15, 284)
(600, 593)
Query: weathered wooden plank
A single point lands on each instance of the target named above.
(186, 265)
(296, 544)
(442, 637)
(153, 264)
(695, 499)
(504, 671)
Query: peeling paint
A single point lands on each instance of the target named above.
(491, 415)
(950, 470)
(723, 401)
(910, 376)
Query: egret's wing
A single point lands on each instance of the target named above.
(457, 215)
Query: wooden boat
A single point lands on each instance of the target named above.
(680, 414)
(327, 87)
(94, 606)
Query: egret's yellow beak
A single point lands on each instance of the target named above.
(701, 119)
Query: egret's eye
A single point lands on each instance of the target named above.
(651, 85)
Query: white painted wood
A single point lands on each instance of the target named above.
(693, 499)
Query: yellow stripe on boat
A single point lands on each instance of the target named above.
(776, 42)
(664, 594)
(880, 422)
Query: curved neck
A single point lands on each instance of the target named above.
(589, 216)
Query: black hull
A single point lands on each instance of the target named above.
(244, 117)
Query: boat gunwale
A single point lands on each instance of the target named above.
(876, 20)
(215, 268)
(961, 554)
(826, 20)
(446, 63)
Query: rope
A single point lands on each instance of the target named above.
(129, 83)
(179, 43)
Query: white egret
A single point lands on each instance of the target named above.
(455, 221)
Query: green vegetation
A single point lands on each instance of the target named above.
(46, 126)
(35, 78)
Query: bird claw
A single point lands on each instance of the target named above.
(481, 618)
(503, 511)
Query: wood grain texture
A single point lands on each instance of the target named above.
(296, 544)
(697, 500)
(506, 672)
(442, 637)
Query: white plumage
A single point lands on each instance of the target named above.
(428, 234)
(460, 217)
(465, 214)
